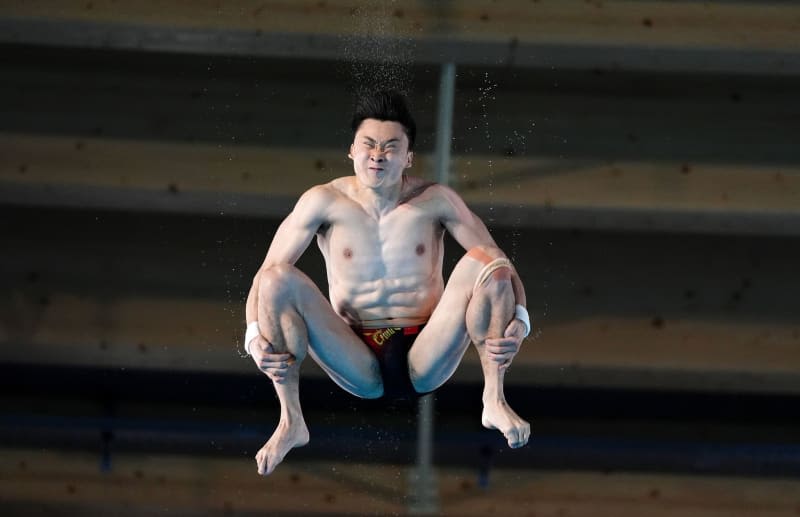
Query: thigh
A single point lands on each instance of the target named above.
(335, 346)
(440, 346)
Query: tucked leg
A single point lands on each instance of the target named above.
(294, 317)
(479, 289)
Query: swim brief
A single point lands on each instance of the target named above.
(391, 346)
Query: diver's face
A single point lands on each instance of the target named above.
(380, 153)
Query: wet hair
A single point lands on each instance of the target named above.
(385, 105)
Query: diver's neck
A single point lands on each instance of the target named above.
(382, 199)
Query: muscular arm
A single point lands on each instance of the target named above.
(292, 238)
(469, 231)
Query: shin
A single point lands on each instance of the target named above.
(283, 327)
(490, 310)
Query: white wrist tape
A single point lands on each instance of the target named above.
(250, 333)
(521, 313)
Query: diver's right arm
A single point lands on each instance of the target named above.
(291, 239)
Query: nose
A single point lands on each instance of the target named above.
(377, 155)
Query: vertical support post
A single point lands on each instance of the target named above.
(423, 487)
(444, 122)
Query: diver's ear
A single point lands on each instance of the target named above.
(410, 160)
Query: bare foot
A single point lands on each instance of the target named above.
(286, 437)
(497, 415)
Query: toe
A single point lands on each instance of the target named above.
(260, 463)
(523, 433)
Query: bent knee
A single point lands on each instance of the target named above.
(494, 265)
(278, 281)
(279, 271)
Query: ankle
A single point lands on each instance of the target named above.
(493, 397)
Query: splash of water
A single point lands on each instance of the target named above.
(379, 55)
(486, 95)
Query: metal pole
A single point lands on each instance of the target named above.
(424, 491)
(444, 122)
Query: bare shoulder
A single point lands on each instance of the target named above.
(422, 190)
(443, 197)
(313, 205)
(321, 194)
(340, 186)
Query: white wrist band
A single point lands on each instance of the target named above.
(250, 333)
(521, 313)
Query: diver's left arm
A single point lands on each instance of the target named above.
(469, 231)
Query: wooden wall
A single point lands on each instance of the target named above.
(638, 160)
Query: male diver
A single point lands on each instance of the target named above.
(392, 327)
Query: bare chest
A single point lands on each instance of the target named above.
(405, 243)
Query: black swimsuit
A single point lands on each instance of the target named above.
(391, 345)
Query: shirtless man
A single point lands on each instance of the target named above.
(392, 327)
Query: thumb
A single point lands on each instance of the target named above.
(513, 329)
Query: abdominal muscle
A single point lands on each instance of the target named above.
(386, 302)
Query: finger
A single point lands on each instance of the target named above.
(503, 340)
(277, 362)
(494, 352)
(271, 359)
(506, 352)
(262, 343)
(503, 346)
(278, 367)
(279, 357)
(501, 352)
(515, 329)
(266, 363)
(502, 358)
(275, 371)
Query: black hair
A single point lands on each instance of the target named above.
(385, 105)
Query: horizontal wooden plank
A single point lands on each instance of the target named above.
(169, 167)
(753, 37)
(33, 482)
(205, 178)
(185, 334)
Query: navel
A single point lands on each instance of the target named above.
(420, 249)
(348, 253)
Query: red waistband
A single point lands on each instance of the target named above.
(407, 331)
(376, 338)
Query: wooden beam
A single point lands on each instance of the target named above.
(181, 333)
(746, 37)
(34, 482)
(204, 178)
